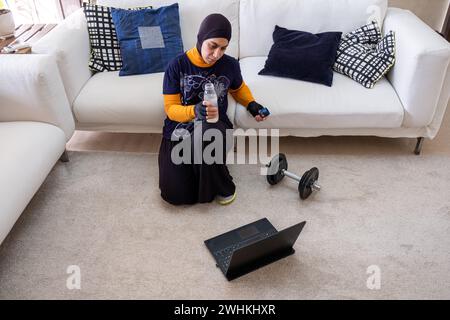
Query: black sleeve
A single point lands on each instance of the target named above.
(237, 76)
(171, 83)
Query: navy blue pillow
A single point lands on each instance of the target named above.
(302, 55)
(148, 38)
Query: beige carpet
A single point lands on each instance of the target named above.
(102, 212)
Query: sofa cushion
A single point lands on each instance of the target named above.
(149, 38)
(259, 17)
(300, 104)
(29, 150)
(364, 56)
(105, 49)
(192, 13)
(302, 55)
(108, 99)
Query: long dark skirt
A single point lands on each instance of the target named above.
(194, 183)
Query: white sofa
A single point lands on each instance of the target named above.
(410, 102)
(35, 123)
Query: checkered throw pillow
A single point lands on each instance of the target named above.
(105, 48)
(364, 55)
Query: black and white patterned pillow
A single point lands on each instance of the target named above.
(364, 55)
(105, 48)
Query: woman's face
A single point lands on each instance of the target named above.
(213, 49)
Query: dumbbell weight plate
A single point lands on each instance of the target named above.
(307, 180)
(277, 164)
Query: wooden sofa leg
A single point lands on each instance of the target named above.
(64, 157)
(419, 144)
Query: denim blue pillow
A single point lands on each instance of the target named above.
(148, 38)
(302, 55)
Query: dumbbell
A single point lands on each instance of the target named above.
(278, 170)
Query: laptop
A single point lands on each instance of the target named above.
(247, 248)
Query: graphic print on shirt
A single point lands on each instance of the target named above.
(192, 87)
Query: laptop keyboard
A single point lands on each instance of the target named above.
(224, 256)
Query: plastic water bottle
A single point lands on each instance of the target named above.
(211, 96)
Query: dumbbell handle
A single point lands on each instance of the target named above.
(291, 175)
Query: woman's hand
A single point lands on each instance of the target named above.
(211, 111)
(259, 118)
(254, 109)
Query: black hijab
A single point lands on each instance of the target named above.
(213, 26)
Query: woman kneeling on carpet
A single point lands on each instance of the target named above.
(184, 83)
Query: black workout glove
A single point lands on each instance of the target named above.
(254, 107)
(200, 111)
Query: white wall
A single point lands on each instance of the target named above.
(431, 11)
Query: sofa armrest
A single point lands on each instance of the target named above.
(31, 90)
(69, 42)
(421, 67)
